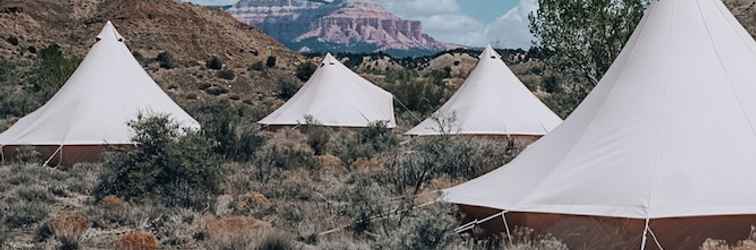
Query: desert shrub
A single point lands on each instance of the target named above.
(226, 74)
(27, 154)
(287, 89)
(454, 157)
(16, 103)
(224, 123)
(277, 157)
(51, 71)
(422, 229)
(176, 167)
(109, 212)
(215, 63)
(13, 40)
(305, 70)
(140, 58)
(137, 240)
(165, 60)
(378, 137)
(4, 234)
(416, 94)
(24, 213)
(366, 143)
(235, 232)
(34, 193)
(271, 62)
(68, 229)
(317, 136)
(276, 241)
(257, 66)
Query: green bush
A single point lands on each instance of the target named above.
(417, 94)
(165, 60)
(446, 156)
(276, 241)
(318, 136)
(305, 70)
(271, 62)
(366, 143)
(226, 74)
(427, 229)
(378, 136)
(257, 66)
(224, 123)
(287, 89)
(51, 72)
(215, 63)
(23, 213)
(274, 157)
(178, 168)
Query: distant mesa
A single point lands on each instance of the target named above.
(337, 25)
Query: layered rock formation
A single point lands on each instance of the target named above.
(354, 26)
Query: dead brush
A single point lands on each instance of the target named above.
(68, 229)
(748, 244)
(236, 232)
(137, 240)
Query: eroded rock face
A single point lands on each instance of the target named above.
(302, 24)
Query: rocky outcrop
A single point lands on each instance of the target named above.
(321, 25)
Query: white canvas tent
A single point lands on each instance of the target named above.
(335, 96)
(492, 101)
(669, 132)
(107, 90)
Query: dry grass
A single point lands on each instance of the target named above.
(137, 240)
(69, 227)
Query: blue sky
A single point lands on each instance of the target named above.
(486, 10)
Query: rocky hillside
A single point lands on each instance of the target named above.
(352, 26)
(173, 41)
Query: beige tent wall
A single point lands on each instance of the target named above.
(592, 232)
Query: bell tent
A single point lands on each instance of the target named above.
(661, 154)
(336, 97)
(491, 102)
(92, 109)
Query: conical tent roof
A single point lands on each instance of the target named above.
(336, 96)
(668, 132)
(492, 101)
(93, 107)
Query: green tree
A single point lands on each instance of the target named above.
(584, 37)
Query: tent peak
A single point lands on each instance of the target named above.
(109, 32)
(489, 52)
(329, 60)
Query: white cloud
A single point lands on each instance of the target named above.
(444, 21)
(421, 8)
(452, 28)
(511, 30)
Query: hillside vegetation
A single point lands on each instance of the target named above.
(234, 185)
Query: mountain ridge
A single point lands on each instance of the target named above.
(340, 25)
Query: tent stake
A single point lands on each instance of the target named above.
(2, 154)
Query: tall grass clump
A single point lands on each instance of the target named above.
(174, 167)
